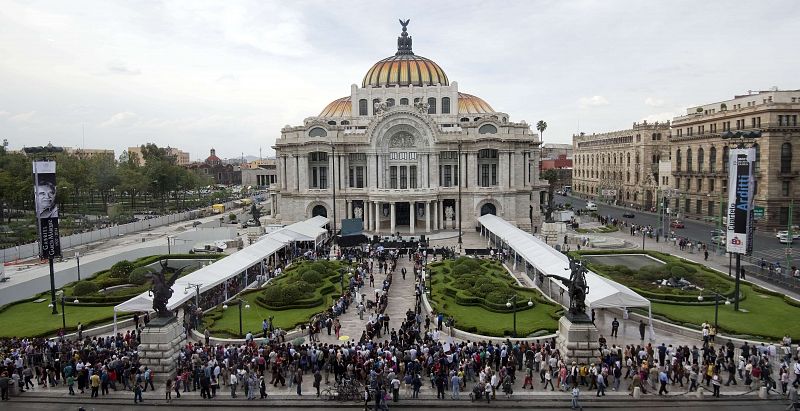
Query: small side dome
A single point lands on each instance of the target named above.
(469, 104)
(341, 107)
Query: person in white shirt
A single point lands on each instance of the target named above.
(233, 382)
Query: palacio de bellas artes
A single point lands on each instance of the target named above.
(512, 206)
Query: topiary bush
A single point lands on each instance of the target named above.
(122, 269)
(139, 276)
(84, 287)
(311, 276)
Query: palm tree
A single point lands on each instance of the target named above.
(541, 125)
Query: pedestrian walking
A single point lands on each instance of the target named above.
(576, 393)
(137, 393)
(168, 390)
(298, 380)
(641, 329)
(614, 327)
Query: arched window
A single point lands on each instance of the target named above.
(786, 158)
(629, 177)
(431, 105)
(700, 159)
(637, 159)
(345, 123)
(488, 208)
(464, 119)
(362, 107)
(487, 129)
(319, 210)
(725, 159)
(678, 160)
(403, 101)
(712, 160)
(332, 123)
(317, 132)
(389, 102)
(689, 159)
(445, 105)
(629, 160)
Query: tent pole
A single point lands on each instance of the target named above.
(650, 319)
(115, 321)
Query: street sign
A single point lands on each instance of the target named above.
(758, 212)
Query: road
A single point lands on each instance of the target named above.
(765, 244)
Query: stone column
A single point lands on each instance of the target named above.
(427, 216)
(366, 216)
(473, 170)
(377, 216)
(412, 216)
(348, 209)
(392, 218)
(502, 173)
(435, 167)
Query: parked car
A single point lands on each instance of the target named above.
(718, 232)
(591, 206)
(785, 239)
(784, 233)
(676, 224)
(628, 214)
(718, 239)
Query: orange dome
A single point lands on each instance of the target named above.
(469, 104)
(405, 70)
(341, 107)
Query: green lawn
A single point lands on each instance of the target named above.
(31, 319)
(764, 314)
(493, 286)
(304, 290)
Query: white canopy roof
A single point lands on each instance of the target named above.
(603, 292)
(214, 274)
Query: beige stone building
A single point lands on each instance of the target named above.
(260, 173)
(621, 167)
(181, 157)
(398, 148)
(700, 155)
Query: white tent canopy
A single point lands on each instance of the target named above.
(603, 292)
(228, 267)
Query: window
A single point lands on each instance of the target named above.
(689, 160)
(699, 184)
(785, 188)
(677, 182)
(484, 175)
(710, 208)
(786, 158)
(780, 120)
(487, 129)
(393, 177)
(431, 105)
(445, 105)
(317, 132)
(757, 163)
(686, 204)
(403, 101)
(318, 169)
(711, 183)
(362, 107)
(412, 174)
(698, 206)
(389, 102)
(403, 177)
(700, 159)
(725, 159)
(783, 217)
(712, 160)
(688, 183)
(447, 176)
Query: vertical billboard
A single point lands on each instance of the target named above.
(740, 200)
(44, 194)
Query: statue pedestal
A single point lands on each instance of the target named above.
(577, 340)
(450, 224)
(160, 347)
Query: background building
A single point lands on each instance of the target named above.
(222, 174)
(621, 167)
(398, 148)
(562, 166)
(260, 173)
(89, 152)
(553, 151)
(700, 155)
(181, 157)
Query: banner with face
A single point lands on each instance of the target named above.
(44, 191)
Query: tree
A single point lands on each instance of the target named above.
(541, 125)
(551, 176)
(106, 177)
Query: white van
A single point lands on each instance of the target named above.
(591, 206)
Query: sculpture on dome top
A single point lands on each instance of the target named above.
(404, 41)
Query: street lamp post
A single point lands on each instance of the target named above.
(717, 296)
(238, 302)
(512, 303)
(333, 176)
(78, 260)
(643, 235)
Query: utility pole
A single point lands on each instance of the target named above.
(790, 236)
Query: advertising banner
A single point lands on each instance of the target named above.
(44, 194)
(740, 200)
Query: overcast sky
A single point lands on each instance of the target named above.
(229, 74)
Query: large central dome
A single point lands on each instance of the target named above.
(405, 68)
